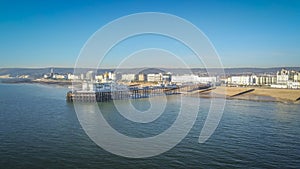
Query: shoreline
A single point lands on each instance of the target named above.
(64, 83)
(258, 94)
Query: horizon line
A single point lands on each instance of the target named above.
(59, 67)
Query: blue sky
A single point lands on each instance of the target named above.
(262, 33)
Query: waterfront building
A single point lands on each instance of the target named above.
(283, 76)
(296, 77)
(252, 80)
(207, 80)
(105, 75)
(274, 79)
(82, 77)
(240, 80)
(99, 78)
(142, 77)
(223, 80)
(111, 76)
(193, 79)
(128, 77)
(90, 75)
(184, 78)
(57, 76)
(266, 80)
(157, 77)
(166, 77)
(72, 77)
(51, 73)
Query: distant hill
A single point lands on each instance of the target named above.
(38, 72)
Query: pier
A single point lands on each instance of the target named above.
(105, 93)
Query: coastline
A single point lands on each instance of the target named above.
(258, 94)
(64, 83)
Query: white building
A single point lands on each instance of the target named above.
(99, 78)
(207, 80)
(283, 77)
(184, 78)
(108, 76)
(111, 76)
(193, 79)
(128, 77)
(265, 80)
(72, 77)
(142, 77)
(56, 76)
(240, 80)
(252, 80)
(290, 85)
(166, 77)
(82, 76)
(289, 78)
(297, 77)
(154, 77)
(90, 75)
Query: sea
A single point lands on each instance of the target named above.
(40, 129)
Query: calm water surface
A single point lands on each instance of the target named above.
(39, 129)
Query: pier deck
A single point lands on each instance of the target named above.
(131, 93)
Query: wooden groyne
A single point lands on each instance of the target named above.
(244, 92)
(204, 90)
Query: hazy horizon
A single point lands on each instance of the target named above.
(54, 67)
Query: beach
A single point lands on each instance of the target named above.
(259, 93)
